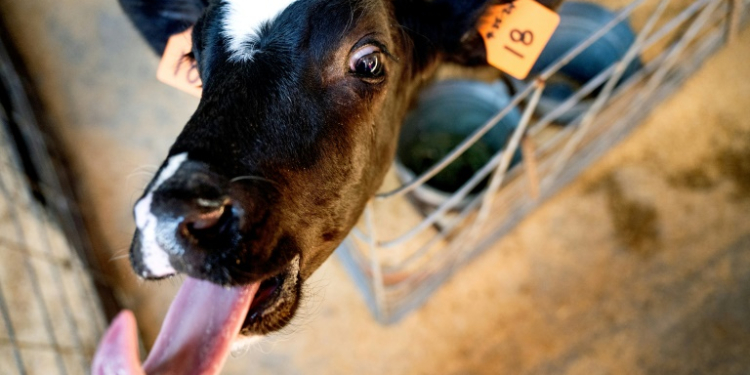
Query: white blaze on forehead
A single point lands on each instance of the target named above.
(155, 259)
(173, 164)
(143, 207)
(242, 22)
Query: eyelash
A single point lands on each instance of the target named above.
(370, 40)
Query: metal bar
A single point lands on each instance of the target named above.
(470, 140)
(660, 79)
(423, 291)
(623, 86)
(676, 21)
(573, 53)
(674, 52)
(449, 204)
(57, 189)
(3, 302)
(463, 146)
(445, 231)
(34, 280)
(561, 62)
(444, 257)
(51, 193)
(361, 236)
(461, 193)
(38, 346)
(67, 307)
(574, 99)
(601, 99)
(11, 332)
(733, 28)
(499, 174)
(377, 276)
(600, 78)
(15, 247)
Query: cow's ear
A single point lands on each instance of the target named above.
(437, 27)
(448, 27)
(157, 20)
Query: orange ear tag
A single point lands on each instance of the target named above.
(515, 35)
(177, 70)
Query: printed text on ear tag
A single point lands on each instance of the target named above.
(178, 70)
(515, 35)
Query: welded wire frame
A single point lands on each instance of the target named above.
(398, 273)
(50, 314)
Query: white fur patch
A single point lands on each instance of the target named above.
(173, 164)
(242, 344)
(242, 21)
(155, 259)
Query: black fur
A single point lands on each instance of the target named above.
(158, 20)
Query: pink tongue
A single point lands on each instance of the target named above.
(118, 351)
(195, 338)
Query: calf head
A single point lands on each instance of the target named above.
(297, 126)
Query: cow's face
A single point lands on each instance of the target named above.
(296, 128)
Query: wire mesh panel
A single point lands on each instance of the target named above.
(408, 243)
(50, 314)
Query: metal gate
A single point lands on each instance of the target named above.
(408, 244)
(51, 314)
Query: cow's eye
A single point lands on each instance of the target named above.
(367, 62)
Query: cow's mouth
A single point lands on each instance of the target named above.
(275, 301)
(205, 319)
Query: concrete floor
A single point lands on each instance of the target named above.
(640, 266)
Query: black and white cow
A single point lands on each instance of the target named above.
(298, 123)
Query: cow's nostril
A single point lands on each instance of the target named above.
(208, 225)
(208, 220)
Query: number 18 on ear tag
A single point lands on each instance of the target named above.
(515, 35)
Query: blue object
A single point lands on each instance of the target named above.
(578, 22)
(446, 113)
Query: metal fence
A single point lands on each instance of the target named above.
(51, 314)
(403, 249)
